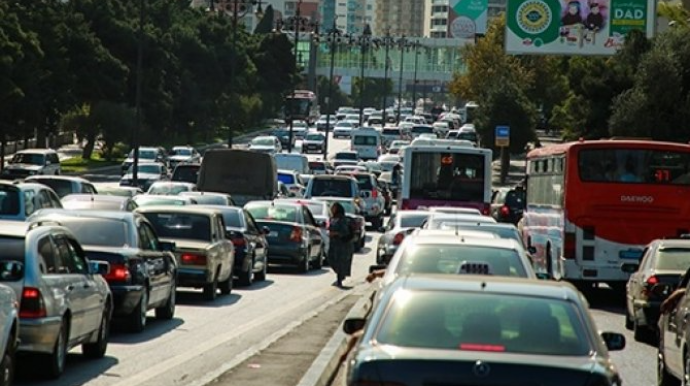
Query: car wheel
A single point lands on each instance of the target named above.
(245, 278)
(305, 263)
(211, 289)
(97, 349)
(167, 312)
(378, 256)
(136, 321)
(641, 333)
(7, 364)
(226, 285)
(629, 324)
(54, 364)
(261, 276)
(663, 378)
(362, 241)
(318, 264)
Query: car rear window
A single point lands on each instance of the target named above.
(413, 220)
(274, 212)
(233, 219)
(186, 174)
(287, 179)
(422, 129)
(515, 199)
(673, 259)
(346, 156)
(61, 187)
(364, 182)
(181, 225)
(98, 232)
(475, 321)
(391, 131)
(365, 140)
(447, 259)
(334, 188)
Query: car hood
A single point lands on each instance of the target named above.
(142, 176)
(429, 366)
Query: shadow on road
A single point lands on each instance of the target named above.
(257, 285)
(196, 299)
(79, 370)
(291, 270)
(154, 329)
(606, 299)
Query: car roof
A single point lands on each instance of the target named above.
(332, 177)
(514, 286)
(464, 233)
(95, 197)
(54, 177)
(104, 214)
(36, 151)
(221, 208)
(178, 183)
(200, 193)
(459, 217)
(301, 201)
(674, 243)
(276, 202)
(190, 209)
(162, 197)
(452, 239)
(24, 185)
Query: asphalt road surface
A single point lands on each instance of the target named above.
(208, 338)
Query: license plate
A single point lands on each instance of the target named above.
(273, 234)
(632, 254)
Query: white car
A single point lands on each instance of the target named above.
(299, 129)
(343, 129)
(292, 181)
(324, 122)
(266, 144)
(32, 162)
(182, 154)
(441, 128)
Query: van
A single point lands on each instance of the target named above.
(367, 142)
(296, 162)
(245, 175)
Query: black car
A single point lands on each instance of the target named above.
(293, 236)
(251, 247)
(663, 263)
(187, 172)
(508, 205)
(143, 269)
(284, 136)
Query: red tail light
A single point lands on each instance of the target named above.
(296, 234)
(374, 193)
(117, 273)
(193, 259)
(405, 205)
(398, 239)
(569, 245)
(505, 211)
(486, 210)
(239, 241)
(32, 304)
(649, 284)
(652, 281)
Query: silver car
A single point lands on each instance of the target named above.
(398, 227)
(97, 202)
(64, 185)
(64, 300)
(9, 321)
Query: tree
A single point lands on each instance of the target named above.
(374, 91)
(338, 99)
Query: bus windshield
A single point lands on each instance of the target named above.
(453, 176)
(634, 166)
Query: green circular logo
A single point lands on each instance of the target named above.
(536, 20)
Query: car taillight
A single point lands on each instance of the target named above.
(569, 245)
(486, 210)
(118, 273)
(296, 234)
(32, 305)
(649, 284)
(405, 205)
(239, 241)
(505, 211)
(652, 281)
(374, 193)
(193, 259)
(398, 239)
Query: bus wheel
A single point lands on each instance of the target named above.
(549, 261)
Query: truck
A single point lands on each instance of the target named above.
(245, 175)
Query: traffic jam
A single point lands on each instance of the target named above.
(472, 284)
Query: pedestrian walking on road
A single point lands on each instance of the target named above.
(341, 248)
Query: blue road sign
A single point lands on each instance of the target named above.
(502, 132)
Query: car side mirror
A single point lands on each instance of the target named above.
(352, 325)
(613, 340)
(98, 267)
(532, 250)
(544, 276)
(167, 246)
(11, 270)
(630, 268)
(377, 267)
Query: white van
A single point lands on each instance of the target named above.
(291, 161)
(367, 142)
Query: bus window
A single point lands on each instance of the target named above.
(634, 166)
(455, 176)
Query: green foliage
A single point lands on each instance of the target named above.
(374, 90)
(338, 99)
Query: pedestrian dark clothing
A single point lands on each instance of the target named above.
(341, 247)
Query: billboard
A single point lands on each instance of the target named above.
(575, 27)
(467, 18)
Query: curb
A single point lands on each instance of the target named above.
(325, 367)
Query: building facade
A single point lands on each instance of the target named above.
(350, 15)
(403, 17)
(437, 16)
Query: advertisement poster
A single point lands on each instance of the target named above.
(467, 18)
(575, 27)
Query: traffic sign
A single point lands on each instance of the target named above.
(502, 136)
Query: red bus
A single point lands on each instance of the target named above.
(302, 105)
(593, 206)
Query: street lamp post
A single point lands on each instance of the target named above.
(303, 24)
(139, 76)
(333, 38)
(363, 41)
(387, 42)
(402, 43)
(417, 45)
(240, 8)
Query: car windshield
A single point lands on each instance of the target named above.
(274, 212)
(673, 259)
(447, 176)
(60, 186)
(287, 179)
(205, 199)
(233, 219)
(346, 156)
(477, 321)
(29, 158)
(143, 200)
(144, 154)
(184, 152)
(365, 140)
(449, 258)
(263, 142)
(9, 200)
(98, 231)
(331, 187)
(344, 124)
(314, 137)
(186, 174)
(412, 220)
(181, 225)
(167, 188)
(146, 168)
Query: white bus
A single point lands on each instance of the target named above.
(446, 173)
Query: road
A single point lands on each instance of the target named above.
(206, 339)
